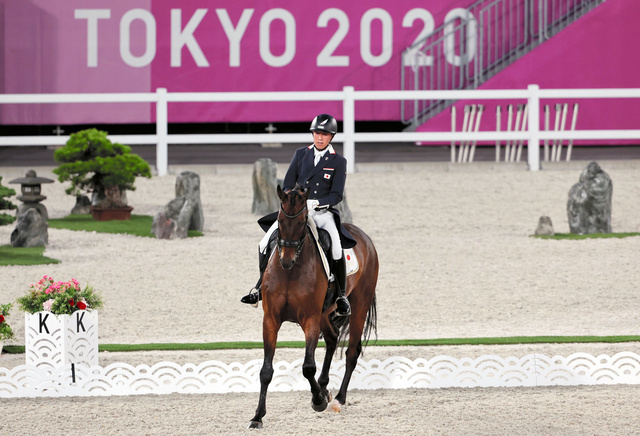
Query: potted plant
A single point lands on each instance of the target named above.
(94, 164)
(5, 329)
(61, 323)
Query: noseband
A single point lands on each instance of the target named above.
(292, 243)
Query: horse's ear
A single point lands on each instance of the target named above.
(305, 194)
(280, 193)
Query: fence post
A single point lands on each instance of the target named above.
(533, 149)
(161, 132)
(348, 127)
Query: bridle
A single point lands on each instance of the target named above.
(292, 243)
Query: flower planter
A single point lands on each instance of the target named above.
(109, 214)
(53, 341)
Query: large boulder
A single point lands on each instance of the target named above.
(184, 212)
(589, 203)
(343, 209)
(31, 230)
(265, 196)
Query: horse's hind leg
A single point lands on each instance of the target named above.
(270, 328)
(356, 327)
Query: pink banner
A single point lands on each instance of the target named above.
(197, 45)
(81, 46)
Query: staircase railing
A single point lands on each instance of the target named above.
(477, 43)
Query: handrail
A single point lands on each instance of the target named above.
(533, 94)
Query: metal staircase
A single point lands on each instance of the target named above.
(477, 44)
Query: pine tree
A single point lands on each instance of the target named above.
(6, 204)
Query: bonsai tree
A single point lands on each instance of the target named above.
(94, 164)
(6, 204)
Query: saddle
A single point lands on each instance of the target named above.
(322, 241)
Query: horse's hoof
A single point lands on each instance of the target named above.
(319, 407)
(255, 424)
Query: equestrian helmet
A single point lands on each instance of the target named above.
(324, 123)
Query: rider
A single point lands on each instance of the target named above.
(323, 171)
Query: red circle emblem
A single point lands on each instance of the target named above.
(348, 257)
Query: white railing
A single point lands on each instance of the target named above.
(533, 94)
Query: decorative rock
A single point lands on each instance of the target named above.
(163, 226)
(545, 227)
(265, 197)
(589, 203)
(184, 212)
(343, 208)
(82, 207)
(38, 207)
(31, 230)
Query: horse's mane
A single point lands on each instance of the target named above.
(299, 191)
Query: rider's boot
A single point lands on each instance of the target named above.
(255, 294)
(340, 273)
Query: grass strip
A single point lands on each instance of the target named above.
(574, 236)
(511, 340)
(137, 225)
(24, 256)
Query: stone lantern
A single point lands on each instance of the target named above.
(31, 194)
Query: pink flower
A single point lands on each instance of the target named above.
(47, 305)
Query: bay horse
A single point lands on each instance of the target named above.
(294, 286)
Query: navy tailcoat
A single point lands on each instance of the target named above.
(325, 182)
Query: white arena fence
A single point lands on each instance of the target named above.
(533, 94)
(215, 377)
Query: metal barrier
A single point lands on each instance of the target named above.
(533, 134)
(476, 43)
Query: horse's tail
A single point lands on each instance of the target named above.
(371, 324)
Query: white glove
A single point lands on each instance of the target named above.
(312, 204)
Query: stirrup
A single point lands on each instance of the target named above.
(252, 297)
(345, 310)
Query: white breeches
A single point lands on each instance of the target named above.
(324, 220)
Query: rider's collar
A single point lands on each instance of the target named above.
(328, 148)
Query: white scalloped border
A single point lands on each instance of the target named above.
(393, 373)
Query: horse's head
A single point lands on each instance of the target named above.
(292, 222)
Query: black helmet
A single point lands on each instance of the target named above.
(324, 123)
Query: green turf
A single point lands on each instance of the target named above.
(512, 340)
(138, 225)
(24, 256)
(589, 236)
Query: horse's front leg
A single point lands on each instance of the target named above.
(270, 328)
(318, 397)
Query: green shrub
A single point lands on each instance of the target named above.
(94, 164)
(6, 204)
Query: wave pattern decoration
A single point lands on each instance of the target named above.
(215, 377)
(52, 341)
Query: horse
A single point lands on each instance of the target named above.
(294, 286)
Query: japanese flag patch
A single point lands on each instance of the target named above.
(327, 176)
